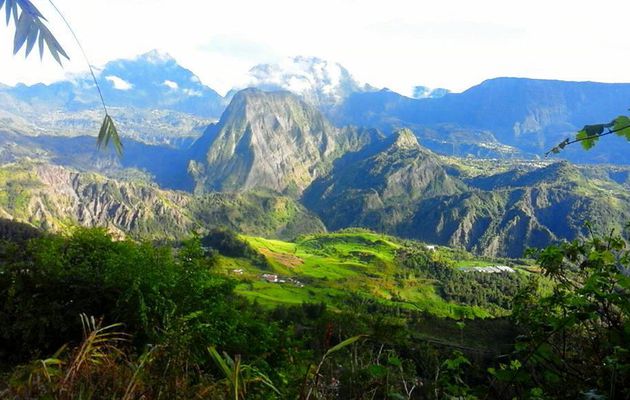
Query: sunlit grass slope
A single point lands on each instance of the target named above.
(338, 268)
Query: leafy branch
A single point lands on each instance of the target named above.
(30, 28)
(590, 134)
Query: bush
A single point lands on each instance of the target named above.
(47, 282)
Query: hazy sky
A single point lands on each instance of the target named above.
(395, 43)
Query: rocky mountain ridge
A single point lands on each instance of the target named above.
(405, 190)
(269, 140)
(271, 148)
(56, 198)
(528, 115)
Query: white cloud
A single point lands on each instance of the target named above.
(171, 84)
(193, 93)
(119, 83)
(397, 44)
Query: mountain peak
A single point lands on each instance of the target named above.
(317, 81)
(406, 139)
(156, 57)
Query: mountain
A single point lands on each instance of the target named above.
(516, 210)
(153, 80)
(163, 164)
(530, 115)
(270, 140)
(379, 186)
(156, 81)
(54, 198)
(321, 83)
(151, 97)
(398, 187)
(268, 149)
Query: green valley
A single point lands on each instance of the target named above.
(359, 266)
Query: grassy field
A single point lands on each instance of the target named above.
(334, 267)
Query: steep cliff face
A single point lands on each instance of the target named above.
(379, 186)
(267, 140)
(55, 198)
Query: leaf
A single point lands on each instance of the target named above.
(27, 6)
(50, 43)
(22, 29)
(31, 40)
(588, 140)
(109, 133)
(15, 11)
(41, 46)
(9, 8)
(592, 130)
(622, 126)
(28, 27)
(377, 371)
(394, 361)
(227, 371)
(53, 44)
(343, 344)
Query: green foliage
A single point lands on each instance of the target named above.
(47, 283)
(450, 382)
(229, 244)
(13, 231)
(578, 334)
(490, 291)
(590, 134)
(239, 375)
(356, 268)
(175, 304)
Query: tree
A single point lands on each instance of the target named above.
(30, 28)
(590, 134)
(575, 337)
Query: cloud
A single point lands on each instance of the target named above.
(171, 84)
(193, 93)
(119, 83)
(240, 48)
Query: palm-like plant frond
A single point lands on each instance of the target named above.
(30, 28)
(108, 133)
(239, 375)
(99, 343)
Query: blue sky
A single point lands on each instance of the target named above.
(397, 44)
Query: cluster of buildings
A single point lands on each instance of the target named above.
(490, 270)
(273, 278)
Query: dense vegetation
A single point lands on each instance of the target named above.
(84, 316)
(356, 266)
(467, 286)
